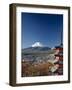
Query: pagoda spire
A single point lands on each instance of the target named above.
(61, 39)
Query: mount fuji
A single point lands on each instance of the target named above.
(37, 47)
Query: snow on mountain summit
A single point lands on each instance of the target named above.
(37, 44)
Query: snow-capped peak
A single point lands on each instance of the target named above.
(37, 44)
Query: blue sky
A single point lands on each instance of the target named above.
(43, 28)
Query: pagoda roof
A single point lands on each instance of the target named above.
(60, 46)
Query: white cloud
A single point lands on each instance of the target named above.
(37, 44)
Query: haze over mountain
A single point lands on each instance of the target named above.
(36, 49)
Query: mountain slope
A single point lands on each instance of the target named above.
(36, 49)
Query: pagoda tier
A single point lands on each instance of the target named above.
(59, 57)
(59, 62)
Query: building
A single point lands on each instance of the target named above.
(59, 58)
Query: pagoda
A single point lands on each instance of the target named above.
(59, 58)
